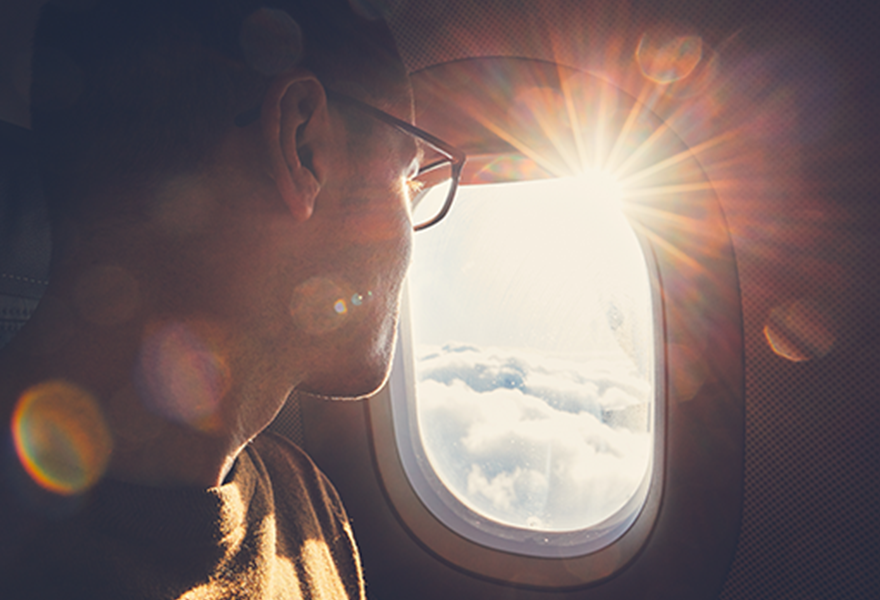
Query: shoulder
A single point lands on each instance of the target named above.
(296, 481)
(273, 447)
(311, 521)
(284, 459)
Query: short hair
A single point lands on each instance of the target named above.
(127, 92)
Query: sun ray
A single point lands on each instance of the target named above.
(677, 158)
(672, 219)
(641, 149)
(601, 127)
(548, 121)
(679, 188)
(681, 257)
(626, 131)
(572, 112)
(505, 135)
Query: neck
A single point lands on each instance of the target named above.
(153, 388)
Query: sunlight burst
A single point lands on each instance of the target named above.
(600, 187)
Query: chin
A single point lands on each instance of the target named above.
(354, 385)
(359, 374)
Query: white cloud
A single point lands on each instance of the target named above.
(534, 441)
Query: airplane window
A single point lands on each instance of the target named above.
(533, 353)
(567, 390)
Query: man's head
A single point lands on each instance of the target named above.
(128, 92)
(265, 220)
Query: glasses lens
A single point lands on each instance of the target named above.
(432, 192)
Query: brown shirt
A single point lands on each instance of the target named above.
(276, 529)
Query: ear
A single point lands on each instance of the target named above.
(294, 121)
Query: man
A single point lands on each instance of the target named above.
(228, 225)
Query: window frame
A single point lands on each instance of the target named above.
(682, 542)
(595, 553)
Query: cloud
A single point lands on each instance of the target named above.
(548, 443)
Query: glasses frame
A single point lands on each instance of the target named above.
(455, 157)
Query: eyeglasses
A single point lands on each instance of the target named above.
(437, 180)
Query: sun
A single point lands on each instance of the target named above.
(601, 191)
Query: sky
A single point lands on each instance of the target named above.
(532, 441)
(531, 313)
(532, 264)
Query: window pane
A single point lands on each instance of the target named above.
(533, 343)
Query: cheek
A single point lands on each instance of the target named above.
(380, 236)
(378, 216)
(393, 259)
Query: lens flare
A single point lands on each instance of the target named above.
(61, 437)
(699, 81)
(494, 169)
(317, 306)
(799, 331)
(665, 55)
(182, 377)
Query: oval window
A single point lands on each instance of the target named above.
(532, 342)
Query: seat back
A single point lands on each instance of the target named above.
(25, 245)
